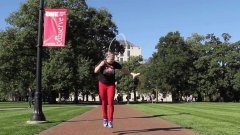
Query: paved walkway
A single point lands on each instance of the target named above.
(127, 121)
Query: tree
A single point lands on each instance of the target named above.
(89, 33)
(17, 61)
(125, 84)
(173, 53)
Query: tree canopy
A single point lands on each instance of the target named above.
(205, 66)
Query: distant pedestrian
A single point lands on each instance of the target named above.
(118, 97)
(142, 98)
(152, 97)
(93, 97)
(30, 97)
(128, 97)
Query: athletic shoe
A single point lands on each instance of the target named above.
(105, 122)
(110, 124)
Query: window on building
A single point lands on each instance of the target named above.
(128, 46)
(121, 54)
(128, 53)
(121, 59)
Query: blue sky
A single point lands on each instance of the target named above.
(7, 7)
(143, 22)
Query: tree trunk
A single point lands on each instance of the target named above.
(175, 96)
(52, 97)
(59, 97)
(210, 97)
(83, 97)
(156, 95)
(199, 96)
(87, 97)
(76, 96)
(135, 95)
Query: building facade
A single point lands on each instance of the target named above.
(130, 50)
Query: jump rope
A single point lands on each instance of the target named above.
(109, 47)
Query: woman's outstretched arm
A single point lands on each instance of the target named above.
(126, 71)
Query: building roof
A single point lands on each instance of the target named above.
(125, 42)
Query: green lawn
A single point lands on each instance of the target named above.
(204, 118)
(14, 122)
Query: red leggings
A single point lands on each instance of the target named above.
(107, 93)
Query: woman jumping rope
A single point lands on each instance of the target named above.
(106, 70)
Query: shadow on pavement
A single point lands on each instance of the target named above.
(83, 120)
(65, 121)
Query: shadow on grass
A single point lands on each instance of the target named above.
(123, 132)
(59, 121)
(153, 116)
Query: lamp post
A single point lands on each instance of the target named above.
(38, 115)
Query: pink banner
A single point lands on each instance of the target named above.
(55, 21)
